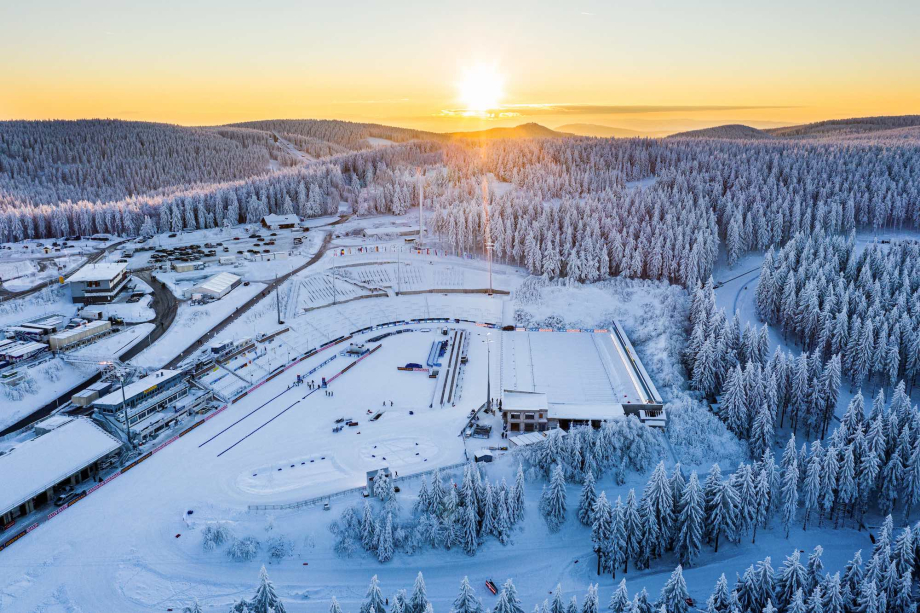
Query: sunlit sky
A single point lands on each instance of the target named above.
(652, 66)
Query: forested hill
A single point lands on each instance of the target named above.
(897, 129)
(324, 137)
(730, 131)
(845, 127)
(46, 162)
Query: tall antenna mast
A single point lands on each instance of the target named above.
(488, 237)
(421, 202)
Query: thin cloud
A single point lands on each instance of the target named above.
(508, 111)
(607, 109)
(587, 13)
(385, 101)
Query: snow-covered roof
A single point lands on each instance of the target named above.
(23, 349)
(103, 271)
(514, 400)
(81, 329)
(218, 283)
(132, 389)
(276, 220)
(530, 438)
(42, 462)
(577, 411)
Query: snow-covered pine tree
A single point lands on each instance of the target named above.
(553, 501)
(587, 501)
(466, 601)
(418, 601)
(265, 599)
(619, 601)
(602, 532)
(385, 542)
(373, 599)
(674, 595)
(690, 522)
(790, 485)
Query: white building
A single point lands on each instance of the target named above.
(98, 283)
(559, 379)
(280, 222)
(66, 452)
(217, 286)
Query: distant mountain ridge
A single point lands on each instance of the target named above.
(902, 128)
(601, 131)
(525, 130)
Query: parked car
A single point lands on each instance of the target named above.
(66, 498)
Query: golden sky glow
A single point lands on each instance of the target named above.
(650, 66)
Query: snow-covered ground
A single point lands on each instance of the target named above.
(48, 301)
(191, 323)
(277, 445)
(55, 376)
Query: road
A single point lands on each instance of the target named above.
(164, 305)
(5, 294)
(270, 287)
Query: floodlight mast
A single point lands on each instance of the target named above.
(421, 205)
(487, 243)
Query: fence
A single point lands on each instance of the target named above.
(354, 490)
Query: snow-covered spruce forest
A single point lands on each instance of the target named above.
(571, 212)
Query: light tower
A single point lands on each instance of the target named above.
(487, 242)
(421, 202)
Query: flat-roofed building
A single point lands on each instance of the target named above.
(143, 397)
(65, 452)
(218, 286)
(79, 335)
(580, 377)
(98, 283)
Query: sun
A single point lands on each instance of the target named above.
(481, 88)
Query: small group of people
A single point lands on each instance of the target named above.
(385, 403)
(300, 381)
(330, 393)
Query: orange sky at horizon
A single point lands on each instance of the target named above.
(404, 64)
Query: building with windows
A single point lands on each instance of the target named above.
(280, 222)
(559, 379)
(144, 397)
(98, 283)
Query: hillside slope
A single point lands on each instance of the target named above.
(526, 130)
(840, 127)
(45, 162)
(599, 131)
(733, 131)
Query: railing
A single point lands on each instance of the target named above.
(354, 490)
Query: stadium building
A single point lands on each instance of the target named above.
(561, 379)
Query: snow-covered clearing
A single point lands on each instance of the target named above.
(191, 323)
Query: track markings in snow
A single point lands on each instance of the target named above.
(244, 417)
(259, 428)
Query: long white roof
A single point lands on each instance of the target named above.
(219, 282)
(102, 323)
(281, 219)
(103, 271)
(135, 388)
(40, 463)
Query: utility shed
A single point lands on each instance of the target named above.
(217, 286)
(65, 455)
